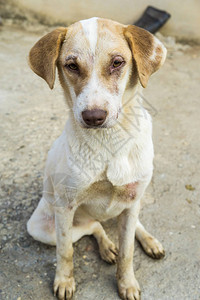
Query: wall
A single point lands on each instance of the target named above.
(184, 23)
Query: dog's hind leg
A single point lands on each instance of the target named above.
(150, 244)
(41, 225)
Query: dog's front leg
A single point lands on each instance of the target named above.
(127, 284)
(64, 284)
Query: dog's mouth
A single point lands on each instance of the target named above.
(94, 127)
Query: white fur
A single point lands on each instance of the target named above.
(90, 29)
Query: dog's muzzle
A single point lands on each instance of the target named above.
(94, 117)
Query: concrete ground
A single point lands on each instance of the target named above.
(32, 117)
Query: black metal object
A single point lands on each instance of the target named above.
(153, 19)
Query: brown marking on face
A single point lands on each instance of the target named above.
(77, 46)
(143, 53)
(111, 43)
(63, 83)
(79, 78)
(133, 78)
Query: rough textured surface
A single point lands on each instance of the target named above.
(183, 24)
(32, 116)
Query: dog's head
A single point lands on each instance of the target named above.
(98, 60)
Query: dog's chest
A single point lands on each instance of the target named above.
(104, 201)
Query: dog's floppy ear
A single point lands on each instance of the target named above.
(44, 55)
(148, 52)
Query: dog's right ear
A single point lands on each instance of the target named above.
(44, 55)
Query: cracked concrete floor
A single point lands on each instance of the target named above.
(32, 116)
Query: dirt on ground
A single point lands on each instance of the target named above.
(32, 116)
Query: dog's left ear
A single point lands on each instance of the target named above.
(148, 52)
(44, 55)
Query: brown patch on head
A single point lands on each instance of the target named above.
(146, 57)
(44, 55)
(148, 52)
(110, 45)
(79, 80)
(77, 47)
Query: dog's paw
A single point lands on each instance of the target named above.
(108, 251)
(153, 247)
(129, 289)
(64, 288)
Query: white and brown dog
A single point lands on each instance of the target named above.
(88, 179)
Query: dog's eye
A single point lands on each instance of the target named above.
(117, 63)
(72, 67)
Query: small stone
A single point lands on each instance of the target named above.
(189, 201)
(25, 269)
(89, 248)
(193, 226)
(189, 187)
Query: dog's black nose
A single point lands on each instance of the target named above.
(94, 117)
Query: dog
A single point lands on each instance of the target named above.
(91, 174)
